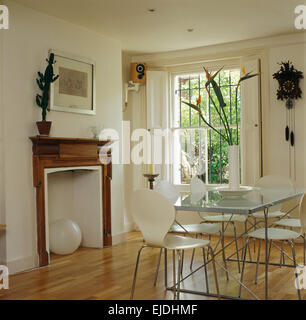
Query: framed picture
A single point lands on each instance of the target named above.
(74, 91)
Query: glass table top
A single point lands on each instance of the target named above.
(255, 200)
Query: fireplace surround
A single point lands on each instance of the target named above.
(63, 154)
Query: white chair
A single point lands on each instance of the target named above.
(277, 234)
(270, 183)
(198, 186)
(154, 214)
(172, 194)
(168, 190)
(273, 182)
(295, 223)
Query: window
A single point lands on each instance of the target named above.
(198, 150)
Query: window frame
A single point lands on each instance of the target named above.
(189, 70)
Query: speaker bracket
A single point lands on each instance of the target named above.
(130, 86)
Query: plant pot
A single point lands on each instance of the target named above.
(44, 127)
(234, 169)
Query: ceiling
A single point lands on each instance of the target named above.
(213, 22)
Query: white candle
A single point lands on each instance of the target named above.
(150, 168)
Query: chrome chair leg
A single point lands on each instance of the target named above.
(192, 258)
(249, 250)
(282, 256)
(179, 274)
(223, 253)
(193, 253)
(258, 257)
(269, 254)
(304, 262)
(174, 274)
(209, 238)
(205, 270)
(157, 268)
(236, 242)
(243, 265)
(182, 262)
(255, 221)
(135, 273)
(166, 267)
(214, 269)
(243, 246)
(294, 262)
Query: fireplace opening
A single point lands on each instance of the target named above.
(76, 194)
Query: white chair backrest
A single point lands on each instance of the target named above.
(168, 190)
(302, 212)
(197, 186)
(274, 181)
(154, 214)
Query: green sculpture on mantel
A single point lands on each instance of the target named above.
(44, 81)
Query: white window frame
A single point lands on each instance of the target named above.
(188, 70)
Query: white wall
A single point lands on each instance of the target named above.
(26, 45)
(280, 157)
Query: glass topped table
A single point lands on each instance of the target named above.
(257, 199)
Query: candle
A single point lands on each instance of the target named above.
(150, 168)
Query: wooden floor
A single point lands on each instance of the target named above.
(107, 274)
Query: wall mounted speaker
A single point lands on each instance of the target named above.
(138, 72)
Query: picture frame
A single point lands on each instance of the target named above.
(74, 91)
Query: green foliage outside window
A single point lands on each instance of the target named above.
(188, 89)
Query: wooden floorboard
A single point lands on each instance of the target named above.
(107, 274)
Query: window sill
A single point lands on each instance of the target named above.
(186, 187)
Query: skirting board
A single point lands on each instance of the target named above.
(119, 238)
(22, 265)
(129, 227)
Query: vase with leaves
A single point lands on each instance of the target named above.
(220, 107)
(42, 100)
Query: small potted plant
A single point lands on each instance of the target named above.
(44, 81)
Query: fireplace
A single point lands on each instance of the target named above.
(75, 163)
(75, 193)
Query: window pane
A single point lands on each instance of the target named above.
(194, 82)
(224, 77)
(191, 155)
(203, 80)
(185, 110)
(202, 152)
(185, 95)
(217, 159)
(184, 82)
(233, 90)
(235, 76)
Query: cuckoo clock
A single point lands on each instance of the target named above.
(289, 90)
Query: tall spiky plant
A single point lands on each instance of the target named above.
(44, 81)
(221, 109)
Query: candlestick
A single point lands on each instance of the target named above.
(151, 178)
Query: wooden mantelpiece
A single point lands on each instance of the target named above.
(52, 152)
